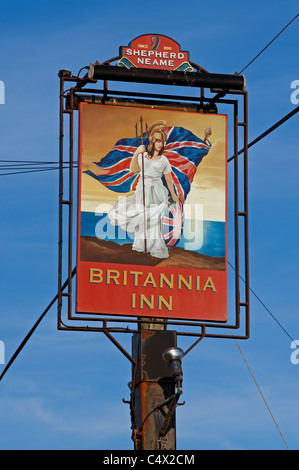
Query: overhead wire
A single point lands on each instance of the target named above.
(66, 165)
(29, 171)
(264, 134)
(30, 333)
(26, 161)
(268, 131)
(259, 389)
(257, 139)
(266, 47)
(21, 171)
(263, 304)
(261, 136)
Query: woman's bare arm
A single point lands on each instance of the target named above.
(134, 166)
(169, 183)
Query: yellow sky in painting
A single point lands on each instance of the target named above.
(104, 125)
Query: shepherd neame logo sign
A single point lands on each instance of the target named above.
(154, 52)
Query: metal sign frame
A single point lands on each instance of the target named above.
(226, 90)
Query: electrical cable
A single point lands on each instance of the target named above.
(27, 337)
(23, 165)
(257, 139)
(268, 131)
(82, 68)
(29, 166)
(268, 408)
(20, 172)
(65, 284)
(262, 303)
(275, 126)
(28, 161)
(23, 343)
(261, 136)
(266, 47)
(175, 396)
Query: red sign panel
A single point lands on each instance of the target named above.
(152, 213)
(154, 52)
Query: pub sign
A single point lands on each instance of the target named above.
(151, 212)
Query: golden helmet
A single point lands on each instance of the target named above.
(155, 132)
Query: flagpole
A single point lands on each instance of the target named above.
(143, 186)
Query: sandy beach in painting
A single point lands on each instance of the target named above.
(96, 250)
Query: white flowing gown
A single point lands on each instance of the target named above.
(129, 213)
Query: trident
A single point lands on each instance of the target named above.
(142, 171)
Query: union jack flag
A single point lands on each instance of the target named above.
(183, 149)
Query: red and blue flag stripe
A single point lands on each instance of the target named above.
(183, 149)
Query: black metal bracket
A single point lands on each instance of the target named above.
(231, 85)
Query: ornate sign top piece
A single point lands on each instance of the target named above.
(154, 51)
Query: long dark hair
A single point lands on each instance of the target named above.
(151, 151)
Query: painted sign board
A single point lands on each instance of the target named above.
(152, 213)
(154, 51)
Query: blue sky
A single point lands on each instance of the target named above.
(65, 389)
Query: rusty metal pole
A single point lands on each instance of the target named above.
(153, 391)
